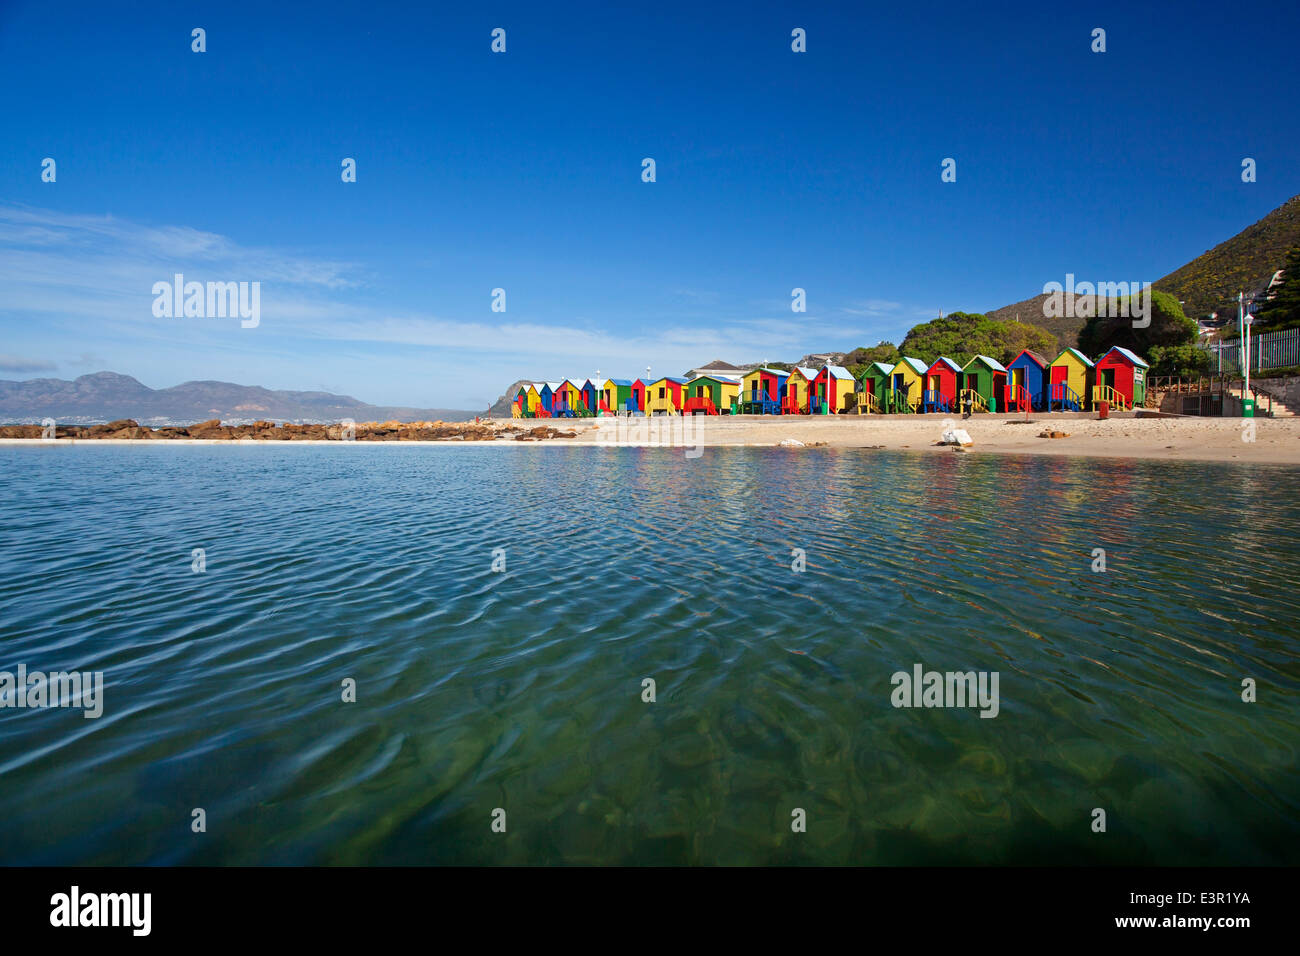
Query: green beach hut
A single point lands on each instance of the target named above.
(982, 379)
(872, 385)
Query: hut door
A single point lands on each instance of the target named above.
(1060, 375)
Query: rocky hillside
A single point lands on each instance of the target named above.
(501, 407)
(1209, 283)
(1246, 262)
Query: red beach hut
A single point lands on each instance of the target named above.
(940, 392)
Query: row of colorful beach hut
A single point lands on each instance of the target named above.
(1070, 382)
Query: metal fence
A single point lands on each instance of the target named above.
(1270, 350)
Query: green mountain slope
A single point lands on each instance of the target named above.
(1209, 283)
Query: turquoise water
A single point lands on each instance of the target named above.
(522, 689)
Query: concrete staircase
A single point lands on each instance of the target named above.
(1262, 395)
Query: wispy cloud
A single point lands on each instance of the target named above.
(92, 276)
(873, 308)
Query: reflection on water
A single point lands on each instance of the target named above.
(523, 690)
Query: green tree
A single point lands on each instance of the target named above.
(1282, 309)
(963, 335)
(858, 360)
(1168, 326)
(1012, 338)
(958, 335)
(1188, 361)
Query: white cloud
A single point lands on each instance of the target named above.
(91, 277)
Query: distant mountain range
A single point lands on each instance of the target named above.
(1207, 284)
(107, 396)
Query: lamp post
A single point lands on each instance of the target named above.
(1249, 319)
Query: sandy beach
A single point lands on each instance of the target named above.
(1191, 438)
(1261, 440)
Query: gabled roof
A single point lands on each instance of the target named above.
(669, 378)
(989, 361)
(837, 371)
(878, 368)
(1132, 358)
(916, 365)
(620, 382)
(1077, 354)
(806, 372)
(778, 372)
(1042, 362)
(719, 377)
(553, 386)
(946, 361)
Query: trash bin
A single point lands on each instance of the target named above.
(1103, 409)
(1247, 408)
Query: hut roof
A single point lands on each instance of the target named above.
(621, 382)
(1077, 354)
(916, 365)
(1130, 356)
(718, 377)
(553, 385)
(1042, 362)
(948, 362)
(989, 361)
(878, 368)
(837, 371)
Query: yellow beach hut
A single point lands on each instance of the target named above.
(533, 398)
(906, 382)
(664, 396)
(797, 388)
(1069, 381)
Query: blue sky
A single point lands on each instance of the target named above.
(522, 171)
